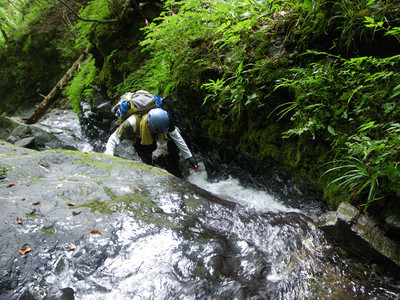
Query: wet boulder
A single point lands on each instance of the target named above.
(361, 235)
(37, 137)
(64, 213)
(28, 142)
(98, 122)
(91, 226)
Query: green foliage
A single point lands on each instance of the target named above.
(94, 10)
(231, 92)
(380, 25)
(80, 86)
(332, 98)
(340, 25)
(349, 17)
(214, 34)
(16, 16)
(369, 161)
(335, 91)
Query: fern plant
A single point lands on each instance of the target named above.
(369, 165)
(222, 29)
(81, 85)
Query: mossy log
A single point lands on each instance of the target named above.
(55, 92)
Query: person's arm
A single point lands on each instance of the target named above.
(179, 141)
(112, 144)
(126, 130)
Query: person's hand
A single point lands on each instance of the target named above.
(193, 163)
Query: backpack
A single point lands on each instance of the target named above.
(138, 103)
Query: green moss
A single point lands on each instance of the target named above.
(335, 195)
(270, 150)
(100, 206)
(109, 193)
(3, 172)
(263, 49)
(47, 230)
(215, 128)
(32, 215)
(84, 190)
(95, 160)
(126, 202)
(142, 207)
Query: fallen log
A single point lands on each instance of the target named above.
(55, 92)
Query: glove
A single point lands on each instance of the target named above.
(193, 163)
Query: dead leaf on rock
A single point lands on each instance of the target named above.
(24, 250)
(95, 232)
(71, 204)
(71, 248)
(59, 186)
(76, 212)
(19, 220)
(139, 190)
(2, 143)
(12, 184)
(61, 178)
(14, 149)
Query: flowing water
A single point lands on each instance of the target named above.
(64, 124)
(261, 249)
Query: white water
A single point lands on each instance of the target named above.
(231, 188)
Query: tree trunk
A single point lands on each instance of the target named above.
(55, 92)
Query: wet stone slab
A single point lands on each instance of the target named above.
(100, 227)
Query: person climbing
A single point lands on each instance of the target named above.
(145, 131)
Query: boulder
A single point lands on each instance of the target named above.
(63, 213)
(362, 236)
(36, 136)
(28, 142)
(91, 226)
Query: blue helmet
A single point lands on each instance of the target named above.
(158, 120)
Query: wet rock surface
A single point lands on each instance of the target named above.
(92, 226)
(362, 236)
(41, 136)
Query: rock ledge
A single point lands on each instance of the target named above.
(361, 235)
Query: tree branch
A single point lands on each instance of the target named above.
(65, 18)
(139, 9)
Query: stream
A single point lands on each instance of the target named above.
(264, 249)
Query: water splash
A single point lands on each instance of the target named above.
(230, 188)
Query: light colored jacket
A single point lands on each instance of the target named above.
(130, 129)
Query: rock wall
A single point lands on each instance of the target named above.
(361, 235)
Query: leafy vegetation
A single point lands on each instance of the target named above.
(331, 94)
(81, 85)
